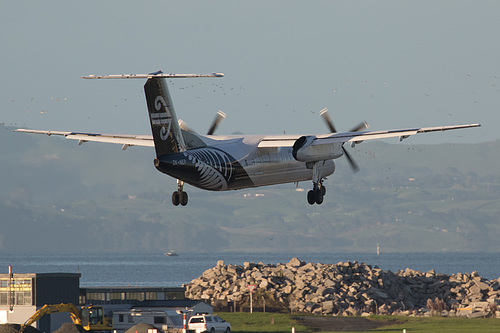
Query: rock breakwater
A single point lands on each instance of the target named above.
(346, 288)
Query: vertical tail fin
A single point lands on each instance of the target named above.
(167, 134)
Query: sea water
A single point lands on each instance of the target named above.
(158, 270)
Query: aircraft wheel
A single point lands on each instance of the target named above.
(175, 198)
(311, 197)
(318, 196)
(183, 198)
(323, 190)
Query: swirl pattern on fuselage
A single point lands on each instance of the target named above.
(214, 167)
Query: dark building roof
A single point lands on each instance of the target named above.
(129, 289)
(42, 275)
(167, 303)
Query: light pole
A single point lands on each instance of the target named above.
(251, 287)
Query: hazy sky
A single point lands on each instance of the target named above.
(395, 64)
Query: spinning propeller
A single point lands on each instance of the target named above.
(215, 124)
(360, 127)
(219, 117)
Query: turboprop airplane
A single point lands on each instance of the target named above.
(233, 162)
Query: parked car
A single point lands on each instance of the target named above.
(208, 323)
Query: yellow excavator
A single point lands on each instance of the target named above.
(91, 318)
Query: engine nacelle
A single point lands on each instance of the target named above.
(304, 151)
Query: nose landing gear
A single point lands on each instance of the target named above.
(179, 196)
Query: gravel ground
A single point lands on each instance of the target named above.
(139, 328)
(14, 328)
(70, 328)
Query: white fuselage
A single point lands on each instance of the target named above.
(221, 163)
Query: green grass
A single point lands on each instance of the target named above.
(442, 325)
(261, 322)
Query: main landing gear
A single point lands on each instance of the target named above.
(316, 195)
(179, 196)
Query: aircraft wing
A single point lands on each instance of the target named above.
(358, 137)
(124, 139)
(128, 140)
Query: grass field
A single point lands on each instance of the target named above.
(261, 322)
(275, 322)
(442, 325)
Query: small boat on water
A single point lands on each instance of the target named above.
(170, 254)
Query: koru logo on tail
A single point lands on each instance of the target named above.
(164, 119)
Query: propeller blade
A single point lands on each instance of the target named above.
(326, 117)
(360, 127)
(351, 161)
(184, 126)
(218, 119)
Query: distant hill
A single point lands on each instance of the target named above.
(58, 196)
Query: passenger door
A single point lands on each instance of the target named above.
(210, 323)
(222, 324)
(217, 324)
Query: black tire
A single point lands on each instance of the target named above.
(228, 330)
(184, 198)
(212, 330)
(323, 190)
(318, 197)
(175, 198)
(311, 197)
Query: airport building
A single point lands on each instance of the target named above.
(21, 295)
(128, 295)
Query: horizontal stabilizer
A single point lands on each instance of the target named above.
(158, 74)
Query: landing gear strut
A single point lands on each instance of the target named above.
(318, 192)
(179, 196)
